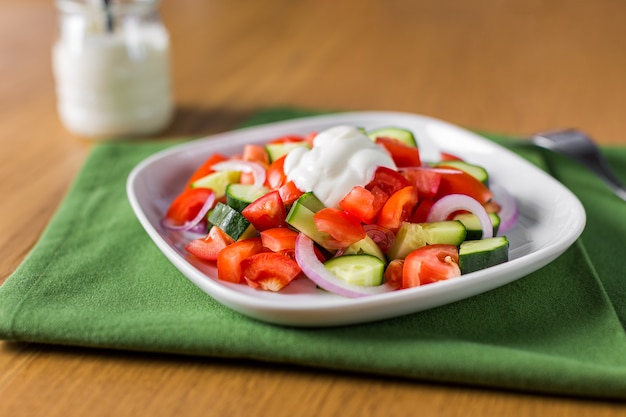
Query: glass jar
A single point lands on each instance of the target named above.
(111, 66)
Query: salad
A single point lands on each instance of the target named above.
(357, 212)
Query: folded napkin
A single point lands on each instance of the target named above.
(96, 279)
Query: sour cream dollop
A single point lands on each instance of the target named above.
(341, 158)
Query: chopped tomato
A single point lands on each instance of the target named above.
(402, 154)
(429, 264)
(287, 139)
(363, 204)
(279, 238)
(463, 183)
(344, 228)
(421, 212)
(187, 205)
(310, 138)
(229, 259)
(266, 211)
(209, 246)
(393, 273)
(289, 192)
(388, 180)
(206, 168)
(276, 173)
(270, 271)
(445, 156)
(398, 208)
(425, 179)
(256, 153)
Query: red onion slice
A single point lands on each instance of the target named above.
(382, 236)
(254, 168)
(450, 203)
(509, 211)
(317, 272)
(192, 225)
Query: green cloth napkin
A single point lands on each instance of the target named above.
(96, 279)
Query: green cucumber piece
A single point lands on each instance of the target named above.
(473, 226)
(276, 150)
(403, 135)
(230, 221)
(412, 236)
(300, 217)
(475, 255)
(217, 181)
(238, 196)
(365, 246)
(475, 171)
(365, 270)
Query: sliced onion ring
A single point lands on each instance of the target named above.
(250, 167)
(455, 202)
(382, 236)
(317, 272)
(509, 211)
(192, 225)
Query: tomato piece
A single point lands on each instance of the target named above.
(426, 180)
(398, 208)
(270, 271)
(393, 273)
(276, 173)
(256, 153)
(309, 138)
(429, 264)
(445, 156)
(363, 204)
(402, 154)
(289, 192)
(343, 228)
(463, 183)
(209, 246)
(206, 168)
(420, 215)
(266, 211)
(187, 204)
(279, 238)
(287, 139)
(387, 180)
(229, 259)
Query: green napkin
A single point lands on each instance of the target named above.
(96, 279)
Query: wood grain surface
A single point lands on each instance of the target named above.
(512, 67)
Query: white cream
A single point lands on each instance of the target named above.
(342, 157)
(111, 84)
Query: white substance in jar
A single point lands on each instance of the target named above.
(342, 157)
(112, 84)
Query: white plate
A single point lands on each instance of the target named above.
(551, 219)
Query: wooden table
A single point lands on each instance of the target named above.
(514, 67)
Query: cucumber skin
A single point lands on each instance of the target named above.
(495, 252)
(229, 220)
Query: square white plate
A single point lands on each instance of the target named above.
(551, 219)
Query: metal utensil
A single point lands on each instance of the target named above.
(580, 147)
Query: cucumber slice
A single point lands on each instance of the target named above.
(238, 196)
(300, 217)
(473, 226)
(475, 171)
(412, 236)
(230, 221)
(217, 181)
(475, 255)
(276, 150)
(403, 135)
(365, 246)
(365, 270)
